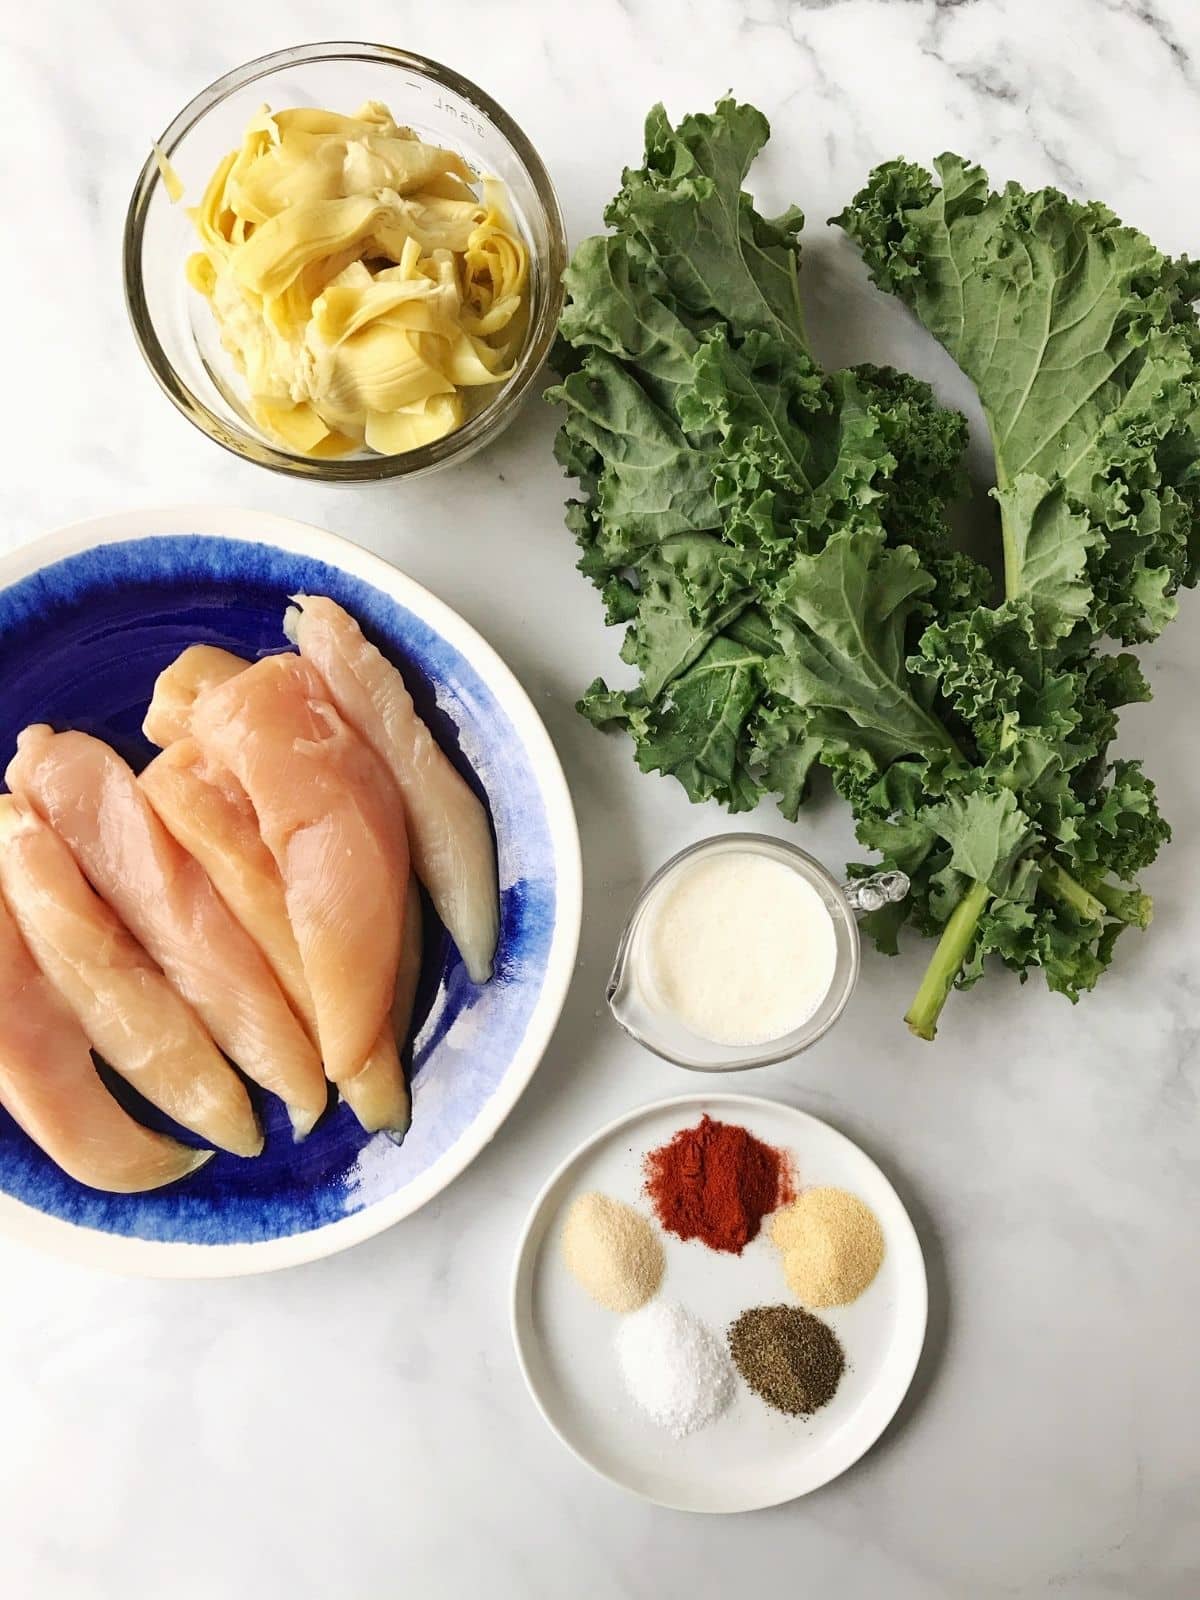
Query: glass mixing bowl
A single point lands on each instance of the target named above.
(174, 325)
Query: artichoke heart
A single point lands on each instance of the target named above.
(361, 280)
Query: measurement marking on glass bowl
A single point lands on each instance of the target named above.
(473, 122)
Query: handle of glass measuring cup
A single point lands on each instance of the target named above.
(875, 891)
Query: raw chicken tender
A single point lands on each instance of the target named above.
(327, 812)
(166, 900)
(378, 1092)
(200, 667)
(50, 1087)
(412, 953)
(204, 806)
(448, 830)
(378, 1095)
(206, 809)
(128, 1011)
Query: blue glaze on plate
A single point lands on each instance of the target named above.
(81, 643)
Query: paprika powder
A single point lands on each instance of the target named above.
(716, 1182)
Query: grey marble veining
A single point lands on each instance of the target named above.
(358, 1428)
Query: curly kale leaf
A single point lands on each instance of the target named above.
(841, 623)
(697, 729)
(1083, 344)
(684, 211)
(774, 539)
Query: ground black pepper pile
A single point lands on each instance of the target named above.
(790, 1358)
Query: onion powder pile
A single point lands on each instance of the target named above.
(832, 1246)
(674, 1368)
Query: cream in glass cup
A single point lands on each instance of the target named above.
(772, 961)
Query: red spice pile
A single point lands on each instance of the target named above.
(716, 1182)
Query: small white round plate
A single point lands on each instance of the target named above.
(751, 1456)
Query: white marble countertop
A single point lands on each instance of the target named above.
(358, 1427)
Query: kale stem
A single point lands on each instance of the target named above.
(946, 961)
(1061, 886)
(1129, 905)
(1012, 571)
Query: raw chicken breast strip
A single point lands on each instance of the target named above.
(200, 667)
(412, 953)
(128, 1011)
(326, 811)
(164, 897)
(204, 806)
(448, 830)
(379, 1095)
(50, 1087)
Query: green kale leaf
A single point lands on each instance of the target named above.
(1082, 342)
(774, 539)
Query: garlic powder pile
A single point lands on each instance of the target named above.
(613, 1252)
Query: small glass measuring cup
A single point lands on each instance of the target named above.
(654, 1027)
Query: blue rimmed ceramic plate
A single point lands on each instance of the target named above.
(88, 618)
